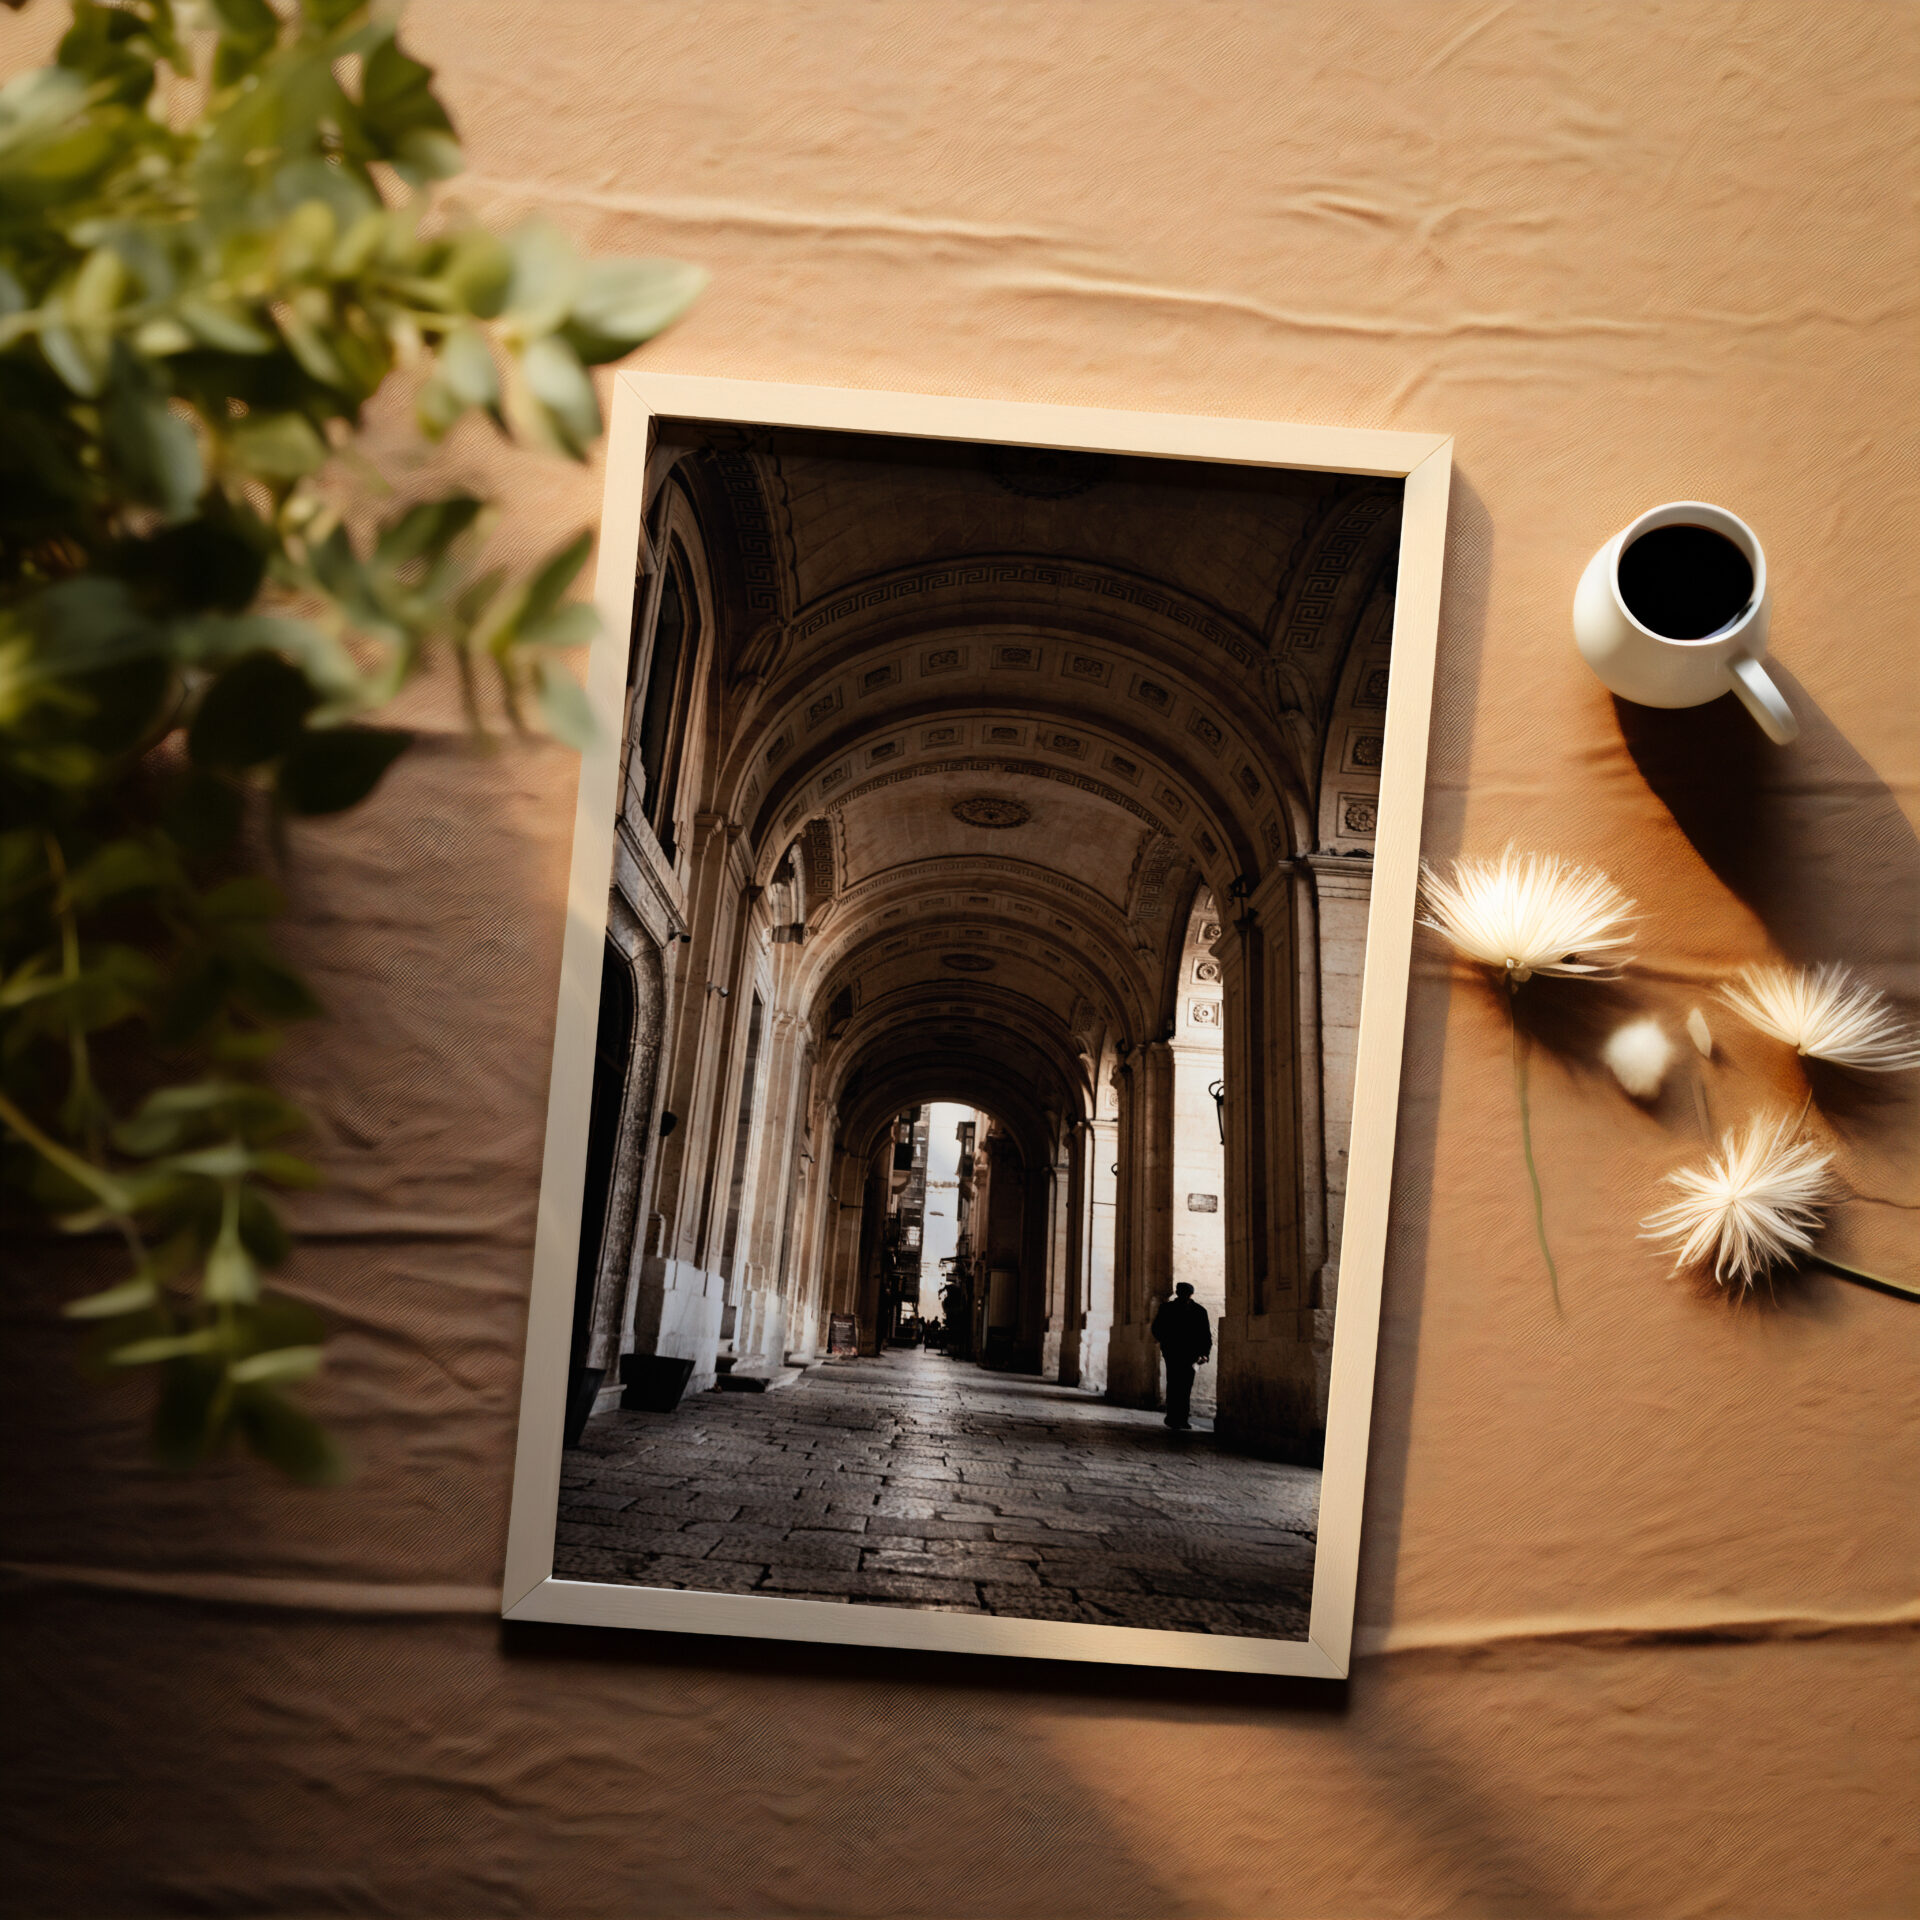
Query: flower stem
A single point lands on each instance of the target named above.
(1910, 1289)
(1533, 1172)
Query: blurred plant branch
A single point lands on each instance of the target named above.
(216, 245)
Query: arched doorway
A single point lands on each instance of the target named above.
(612, 1061)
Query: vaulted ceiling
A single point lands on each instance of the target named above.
(1005, 710)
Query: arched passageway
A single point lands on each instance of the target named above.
(1040, 783)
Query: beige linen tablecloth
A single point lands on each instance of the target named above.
(1637, 1583)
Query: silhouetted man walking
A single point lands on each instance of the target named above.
(1186, 1338)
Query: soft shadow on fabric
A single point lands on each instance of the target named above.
(1182, 1691)
(1456, 696)
(1808, 835)
(1815, 843)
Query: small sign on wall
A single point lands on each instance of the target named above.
(1203, 1203)
(842, 1335)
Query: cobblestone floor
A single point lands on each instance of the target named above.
(913, 1480)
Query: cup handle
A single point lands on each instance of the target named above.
(1764, 701)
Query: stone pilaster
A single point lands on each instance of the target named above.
(1146, 1224)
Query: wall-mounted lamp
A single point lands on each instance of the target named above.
(713, 986)
(1219, 1092)
(677, 933)
(668, 1121)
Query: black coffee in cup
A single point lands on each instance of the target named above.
(1685, 582)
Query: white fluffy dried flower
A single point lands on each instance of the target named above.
(1756, 1202)
(1827, 1014)
(1639, 1054)
(1530, 913)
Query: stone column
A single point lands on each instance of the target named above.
(1061, 1288)
(639, 1133)
(871, 1257)
(1098, 1184)
(1073, 1312)
(677, 1298)
(1343, 890)
(1199, 1225)
(1036, 1268)
(845, 1203)
(764, 1303)
(1145, 1229)
(1264, 1360)
(807, 1256)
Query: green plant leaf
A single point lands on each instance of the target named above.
(128, 1297)
(276, 446)
(172, 1346)
(198, 295)
(623, 302)
(253, 713)
(263, 1233)
(96, 288)
(156, 449)
(183, 1411)
(563, 705)
(328, 667)
(203, 812)
(265, 987)
(306, 335)
(90, 623)
(464, 377)
(555, 575)
(559, 382)
(122, 866)
(306, 238)
(279, 1364)
(247, 896)
(79, 355)
(285, 1437)
(249, 30)
(573, 625)
(231, 1273)
(398, 107)
(331, 770)
(228, 1161)
(222, 325)
(427, 529)
(476, 273)
(545, 274)
(200, 564)
(286, 1169)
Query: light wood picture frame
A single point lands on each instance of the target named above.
(1421, 464)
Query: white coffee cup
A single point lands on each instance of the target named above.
(1655, 670)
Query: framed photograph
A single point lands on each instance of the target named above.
(980, 1023)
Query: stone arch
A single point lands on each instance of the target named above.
(633, 953)
(958, 765)
(612, 1061)
(1355, 734)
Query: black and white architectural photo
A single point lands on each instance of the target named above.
(962, 1205)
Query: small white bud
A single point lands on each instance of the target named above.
(1700, 1033)
(1639, 1055)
